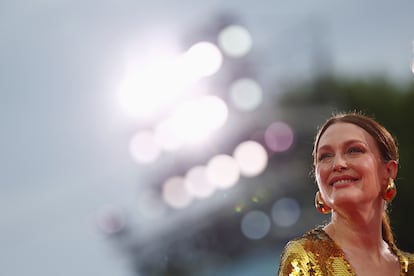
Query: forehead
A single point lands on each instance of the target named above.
(339, 133)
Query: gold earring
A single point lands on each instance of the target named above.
(390, 192)
(321, 205)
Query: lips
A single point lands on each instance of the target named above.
(341, 180)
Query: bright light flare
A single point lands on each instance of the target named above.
(146, 91)
(251, 157)
(156, 84)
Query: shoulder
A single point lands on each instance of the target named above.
(314, 252)
(294, 259)
(298, 254)
(295, 248)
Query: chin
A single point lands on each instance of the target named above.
(346, 199)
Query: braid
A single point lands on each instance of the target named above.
(386, 229)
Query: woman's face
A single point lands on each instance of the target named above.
(349, 169)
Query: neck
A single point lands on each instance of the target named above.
(359, 229)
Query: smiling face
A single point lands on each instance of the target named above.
(348, 167)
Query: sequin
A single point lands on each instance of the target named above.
(316, 254)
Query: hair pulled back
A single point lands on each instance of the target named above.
(385, 141)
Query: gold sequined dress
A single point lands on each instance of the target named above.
(317, 254)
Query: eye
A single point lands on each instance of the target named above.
(324, 156)
(356, 149)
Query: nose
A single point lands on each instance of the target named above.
(339, 163)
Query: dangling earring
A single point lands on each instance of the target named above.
(321, 205)
(390, 192)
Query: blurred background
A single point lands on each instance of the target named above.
(174, 137)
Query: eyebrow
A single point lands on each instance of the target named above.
(347, 143)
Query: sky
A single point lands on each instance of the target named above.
(63, 140)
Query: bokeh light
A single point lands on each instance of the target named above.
(255, 225)
(286, 212)
(192, 122)
(166, 135)
(175, 193)
(279, 137)
(197, 182)
(251, 157)
(143, 147)
(202, 59)
(110, 219)
(195, 120)
(235, 41)
(223, 171)
(246, 94)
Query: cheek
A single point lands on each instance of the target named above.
(368, 168)
(320, 181)
(321, 174)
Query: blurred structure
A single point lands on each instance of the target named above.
(231, 162)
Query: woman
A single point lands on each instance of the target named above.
(355, 164)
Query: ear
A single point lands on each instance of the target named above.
(392, 168)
